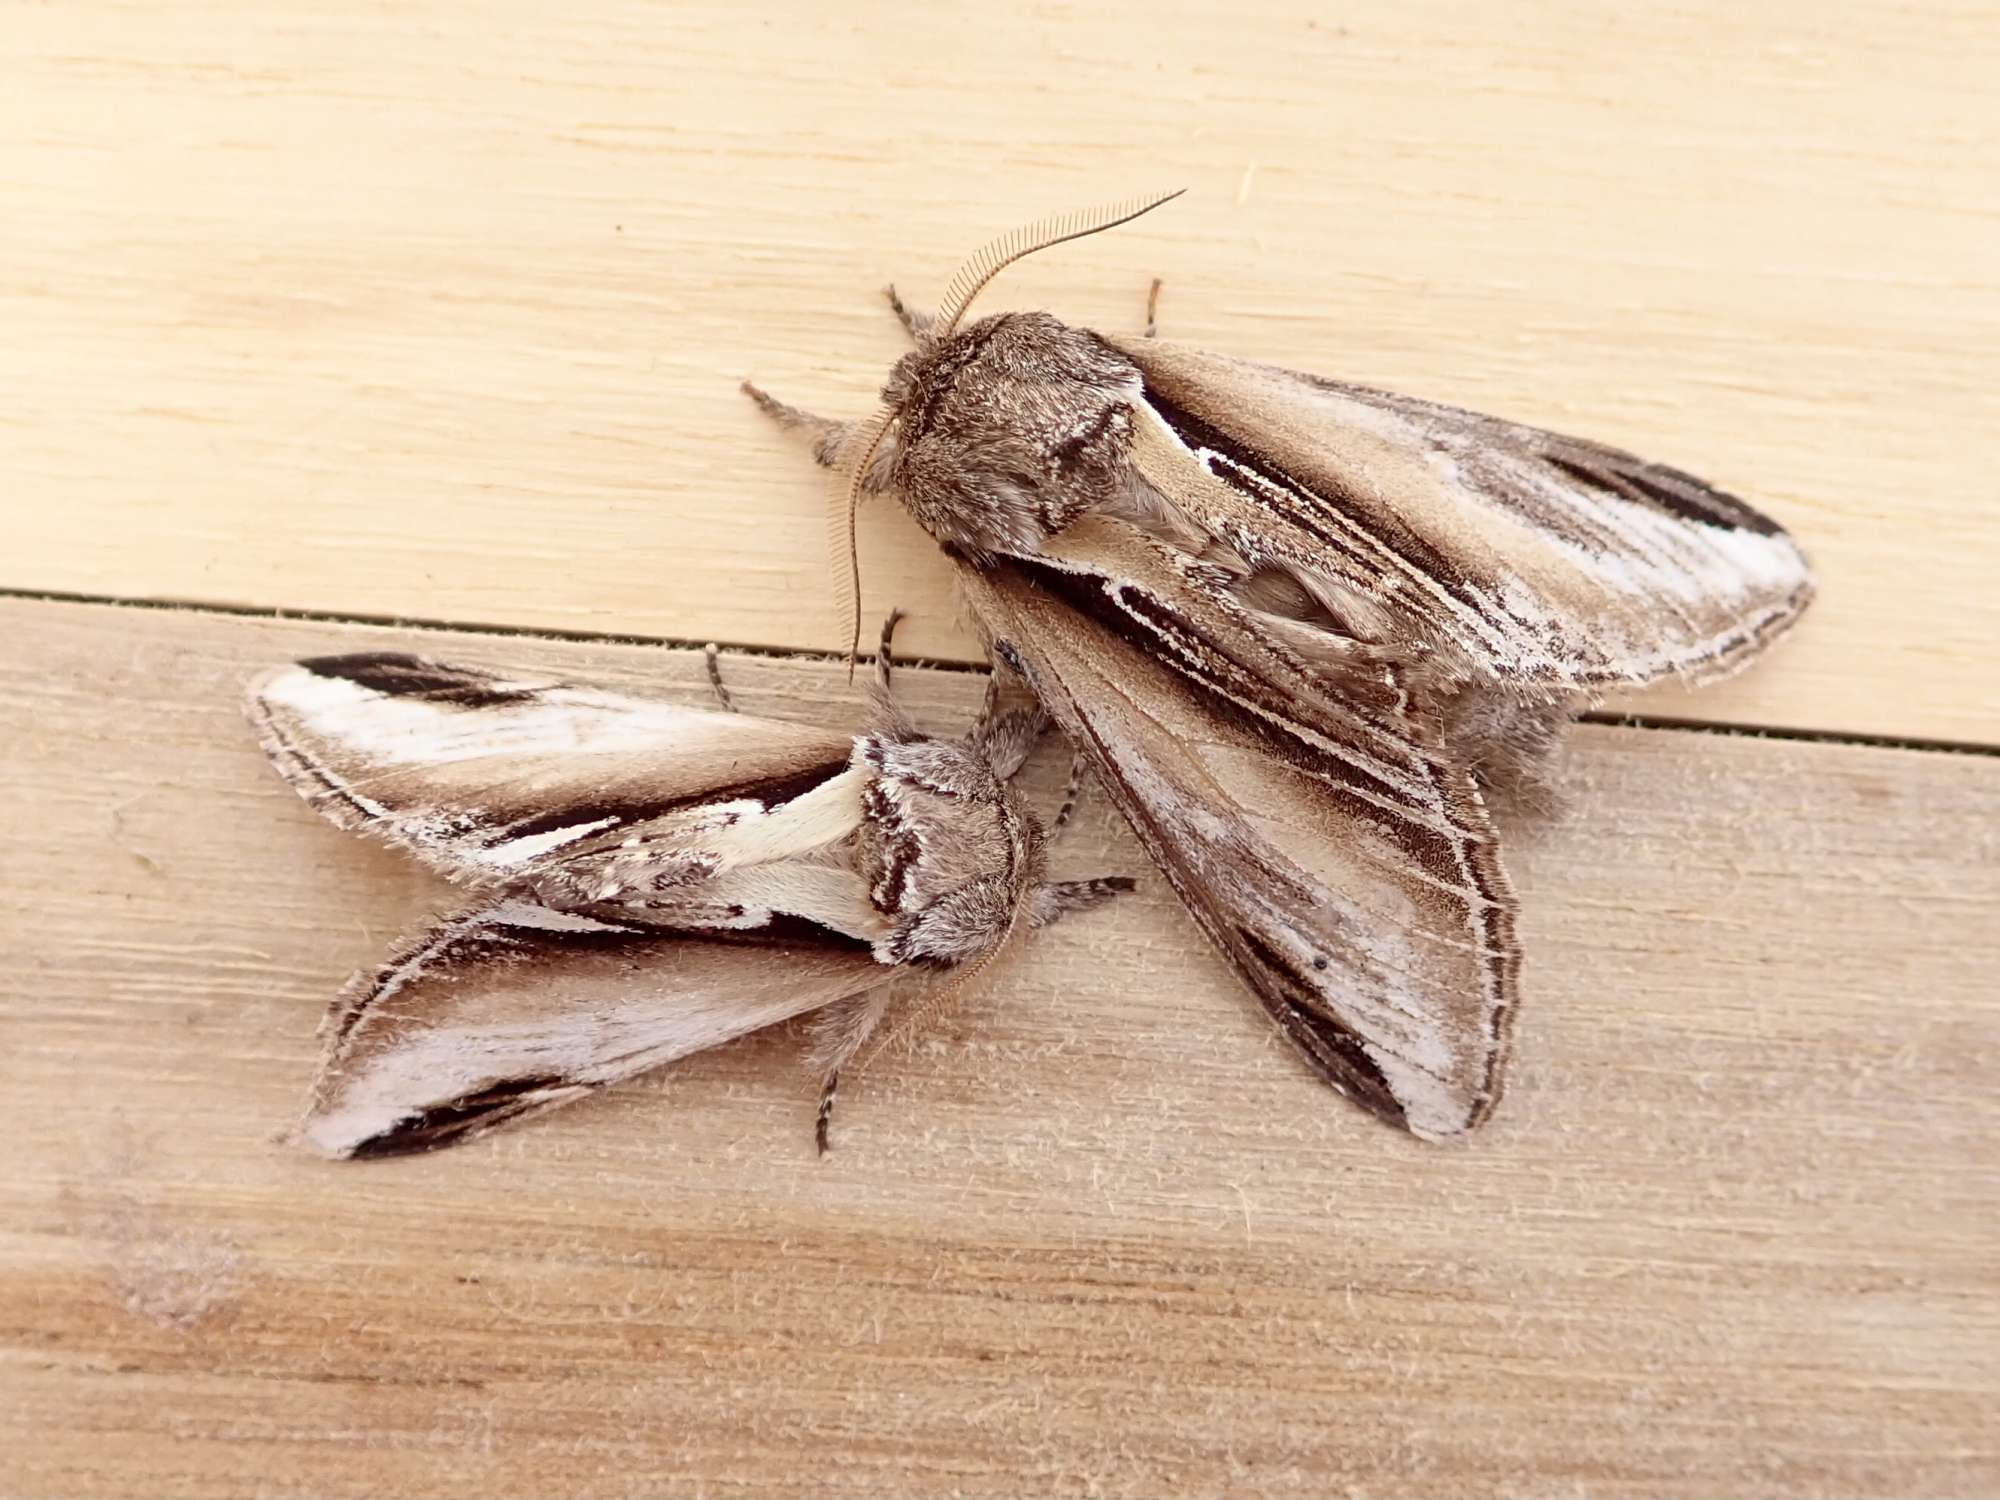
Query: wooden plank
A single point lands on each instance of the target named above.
(426, 312)
(1731, 1234)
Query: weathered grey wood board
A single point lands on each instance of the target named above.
(1731, 1233)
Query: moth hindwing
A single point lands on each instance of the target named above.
(649, 880)
(1305, 631)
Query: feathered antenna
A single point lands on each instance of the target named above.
(935, 1002)
(995, 256)
(842, 554)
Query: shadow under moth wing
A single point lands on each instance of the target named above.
(654, 880)
(1301, 628)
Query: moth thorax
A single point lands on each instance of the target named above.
(949, 850)
(1010, 428)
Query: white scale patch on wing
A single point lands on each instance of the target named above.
(833, 896)
(395, 731)
(1480, 619)
(813, 820)
(728, 837)
(381, 990)
(529, 914)
(516, 853)
(1660, 562)
(442, 1063)
(1368, 752)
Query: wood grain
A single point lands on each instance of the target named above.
(435, 312)
(1731, 1234)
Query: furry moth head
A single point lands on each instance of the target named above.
(970, 472)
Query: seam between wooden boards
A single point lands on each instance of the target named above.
(1614, 718)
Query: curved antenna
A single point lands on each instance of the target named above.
(933, 1003)
(858, 449)
(996, 255)
(850, 471)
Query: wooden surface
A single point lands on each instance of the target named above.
(1731, 1233)
(437, 313)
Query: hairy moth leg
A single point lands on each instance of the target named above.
(1047, 904)
(915, 324)
(1006, 731)
(1072, 791)
(827, 434)
(1059, 898)
(1153, 309)
(1008, 736)
(885, 652)
(838, 1033)
(884, 713)
(711, 658)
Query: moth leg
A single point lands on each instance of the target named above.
(711, 657)
(827, 434)
(884, 712)
(1057, 899)
(915, 324)
(838, 1033)
(823, 1116)
(989, 703)
(828, 437)
(1153, 309)
(1072, 790)
(885, 651)
(1006, 731)
(1006, 737)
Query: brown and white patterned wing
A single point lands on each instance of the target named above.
(485, 777)
(513, 1008)
(1343, 863)
(1522, 557)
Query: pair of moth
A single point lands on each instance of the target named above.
(1303, 632)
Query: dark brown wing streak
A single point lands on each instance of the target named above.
(483, 777)
(1345, 868)
(511, 1009)
(1527, 558)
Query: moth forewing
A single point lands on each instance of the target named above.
(484, 777)
(658, 880)
(1301, 628)
(515, 1008)
(1539, 561)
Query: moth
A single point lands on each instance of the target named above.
(647, 880)
(1304, 632)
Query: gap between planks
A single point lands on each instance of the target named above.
(1619, 718)
(1727, 1236)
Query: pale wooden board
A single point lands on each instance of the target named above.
(1731, 1234)
(438, 312)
